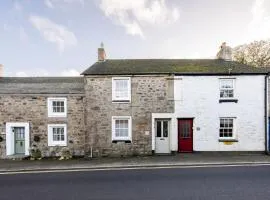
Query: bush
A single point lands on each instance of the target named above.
(35, 153)
(65, 154)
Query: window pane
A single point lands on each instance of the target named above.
(58, 134)
(120, 133)
(62, 109)
(121, 128)
(221, 124)
(226, 127)
(117, 122)
(158, 128)
(121, 88)
(227, 84)
(117, 134)
(122, 123)
(221, 133)
(54, 134)
(226, 88)
(165, 128)
(125, 132)
(58, 106)
(126, 124)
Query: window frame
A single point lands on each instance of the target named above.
(50, 107)
(118, 138)
(233, 88)
(233, 137)
(51, 142)
(121, 99)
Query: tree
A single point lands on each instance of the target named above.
(256, 53)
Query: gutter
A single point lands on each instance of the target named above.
(176, 73)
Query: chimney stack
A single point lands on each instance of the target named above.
(1, 70)
(101, 53)
(225, 52)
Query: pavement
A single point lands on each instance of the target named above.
(178, 160)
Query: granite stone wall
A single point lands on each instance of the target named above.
(33, 109)
(149, 94)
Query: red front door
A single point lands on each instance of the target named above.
(185, 135)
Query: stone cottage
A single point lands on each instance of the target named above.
(46, 112)
(137, 107)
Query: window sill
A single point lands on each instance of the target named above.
(121, 141)
(50, 116)
(227, 140)
(228, 101)
(59, 145)
(121, 101)
(57, 115)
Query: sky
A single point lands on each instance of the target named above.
(61, 37)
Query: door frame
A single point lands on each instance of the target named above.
(188, 118)
(169, 133)
(10, 137)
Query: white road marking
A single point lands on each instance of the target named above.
(133, 168)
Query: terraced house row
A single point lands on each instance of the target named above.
(138, 107)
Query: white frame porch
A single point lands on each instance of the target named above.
(10, 147)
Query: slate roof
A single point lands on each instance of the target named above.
(170, 66)
(42, 85)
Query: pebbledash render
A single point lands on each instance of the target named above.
(133, 107)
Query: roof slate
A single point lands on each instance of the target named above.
(42, 85)
(170, 66)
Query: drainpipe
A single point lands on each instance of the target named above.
(267, 139)
(91, 152)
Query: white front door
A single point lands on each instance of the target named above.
(17, 138)
(162, 136)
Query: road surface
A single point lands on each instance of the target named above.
(217, 183)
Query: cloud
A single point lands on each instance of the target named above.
(6, 27)
(21, 74)
(133, 28)
(259, 27)
(135, 15)
(57, 3)
(49, 4)
(40, 72)
(54, 33)
(23, 35)
(34, 73)
(17, 6)
(70, 72)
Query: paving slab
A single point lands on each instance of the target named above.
(147, 161)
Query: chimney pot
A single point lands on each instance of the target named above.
(101, 53)
(225, 52)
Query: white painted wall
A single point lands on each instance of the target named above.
(198, 97)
